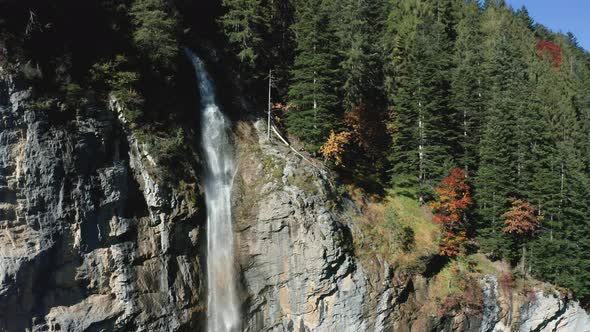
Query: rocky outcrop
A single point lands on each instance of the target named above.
(89, 238)
(295, 253)
(541, 311)
(549, 312)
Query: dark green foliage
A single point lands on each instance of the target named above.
(114, 77)
(423, 132)
(467, 86)
(154, 33)
(245, 25)
(312, 94)
(260, 36)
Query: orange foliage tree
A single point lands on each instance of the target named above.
(454, 199)
(335, 146)
(521, 221)
(367, 129)
(364, 134)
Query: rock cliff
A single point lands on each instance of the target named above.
(90, 240)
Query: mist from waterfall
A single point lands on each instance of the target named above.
(223, 314)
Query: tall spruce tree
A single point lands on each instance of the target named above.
(467, 85)
(359, 30)
(419, 90)
(246, 25)
(500, 170)
(313, 92)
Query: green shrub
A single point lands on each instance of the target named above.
(114, 77)
(74, 97)
(42, 104)
(403, 235)
(154, 33)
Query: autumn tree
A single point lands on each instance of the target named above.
(521, 222)
(454, 199)
(335, 147)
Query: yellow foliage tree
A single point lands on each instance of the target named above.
(335, 146)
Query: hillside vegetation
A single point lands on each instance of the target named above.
(469, 110)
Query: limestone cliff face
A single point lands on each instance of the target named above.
(294, 251)
(89, 238)
(541, 310)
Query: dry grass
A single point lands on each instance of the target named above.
(382, 219)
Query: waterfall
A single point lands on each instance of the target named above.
(491, 310)
(223, 309)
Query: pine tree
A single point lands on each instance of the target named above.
(506, 130)
(419, 89)
(312, 94)
(245, 25)
(467, 85)
(154, 31)
(359, 26)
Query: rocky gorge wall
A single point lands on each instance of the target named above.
(89, 239)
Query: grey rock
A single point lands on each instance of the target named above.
(548, 313)
(90, 240)
(299, 273)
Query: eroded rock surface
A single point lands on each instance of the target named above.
(89, 240)
(295, 250)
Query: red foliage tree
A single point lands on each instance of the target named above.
(547, 49)
(454, 199)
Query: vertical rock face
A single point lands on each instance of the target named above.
(89, 240)
(551, 313)
(299, 273)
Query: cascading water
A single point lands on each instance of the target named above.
(491, 310)
(223, 310)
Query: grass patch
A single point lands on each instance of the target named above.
(397, 229)
(456, 289)
(304, 182)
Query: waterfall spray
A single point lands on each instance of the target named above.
(223, 309)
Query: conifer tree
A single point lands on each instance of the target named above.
(312, 94)
(419, 90)
(245, 24)
(505, 129)
(467, 85)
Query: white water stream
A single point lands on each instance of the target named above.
(223, 314)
